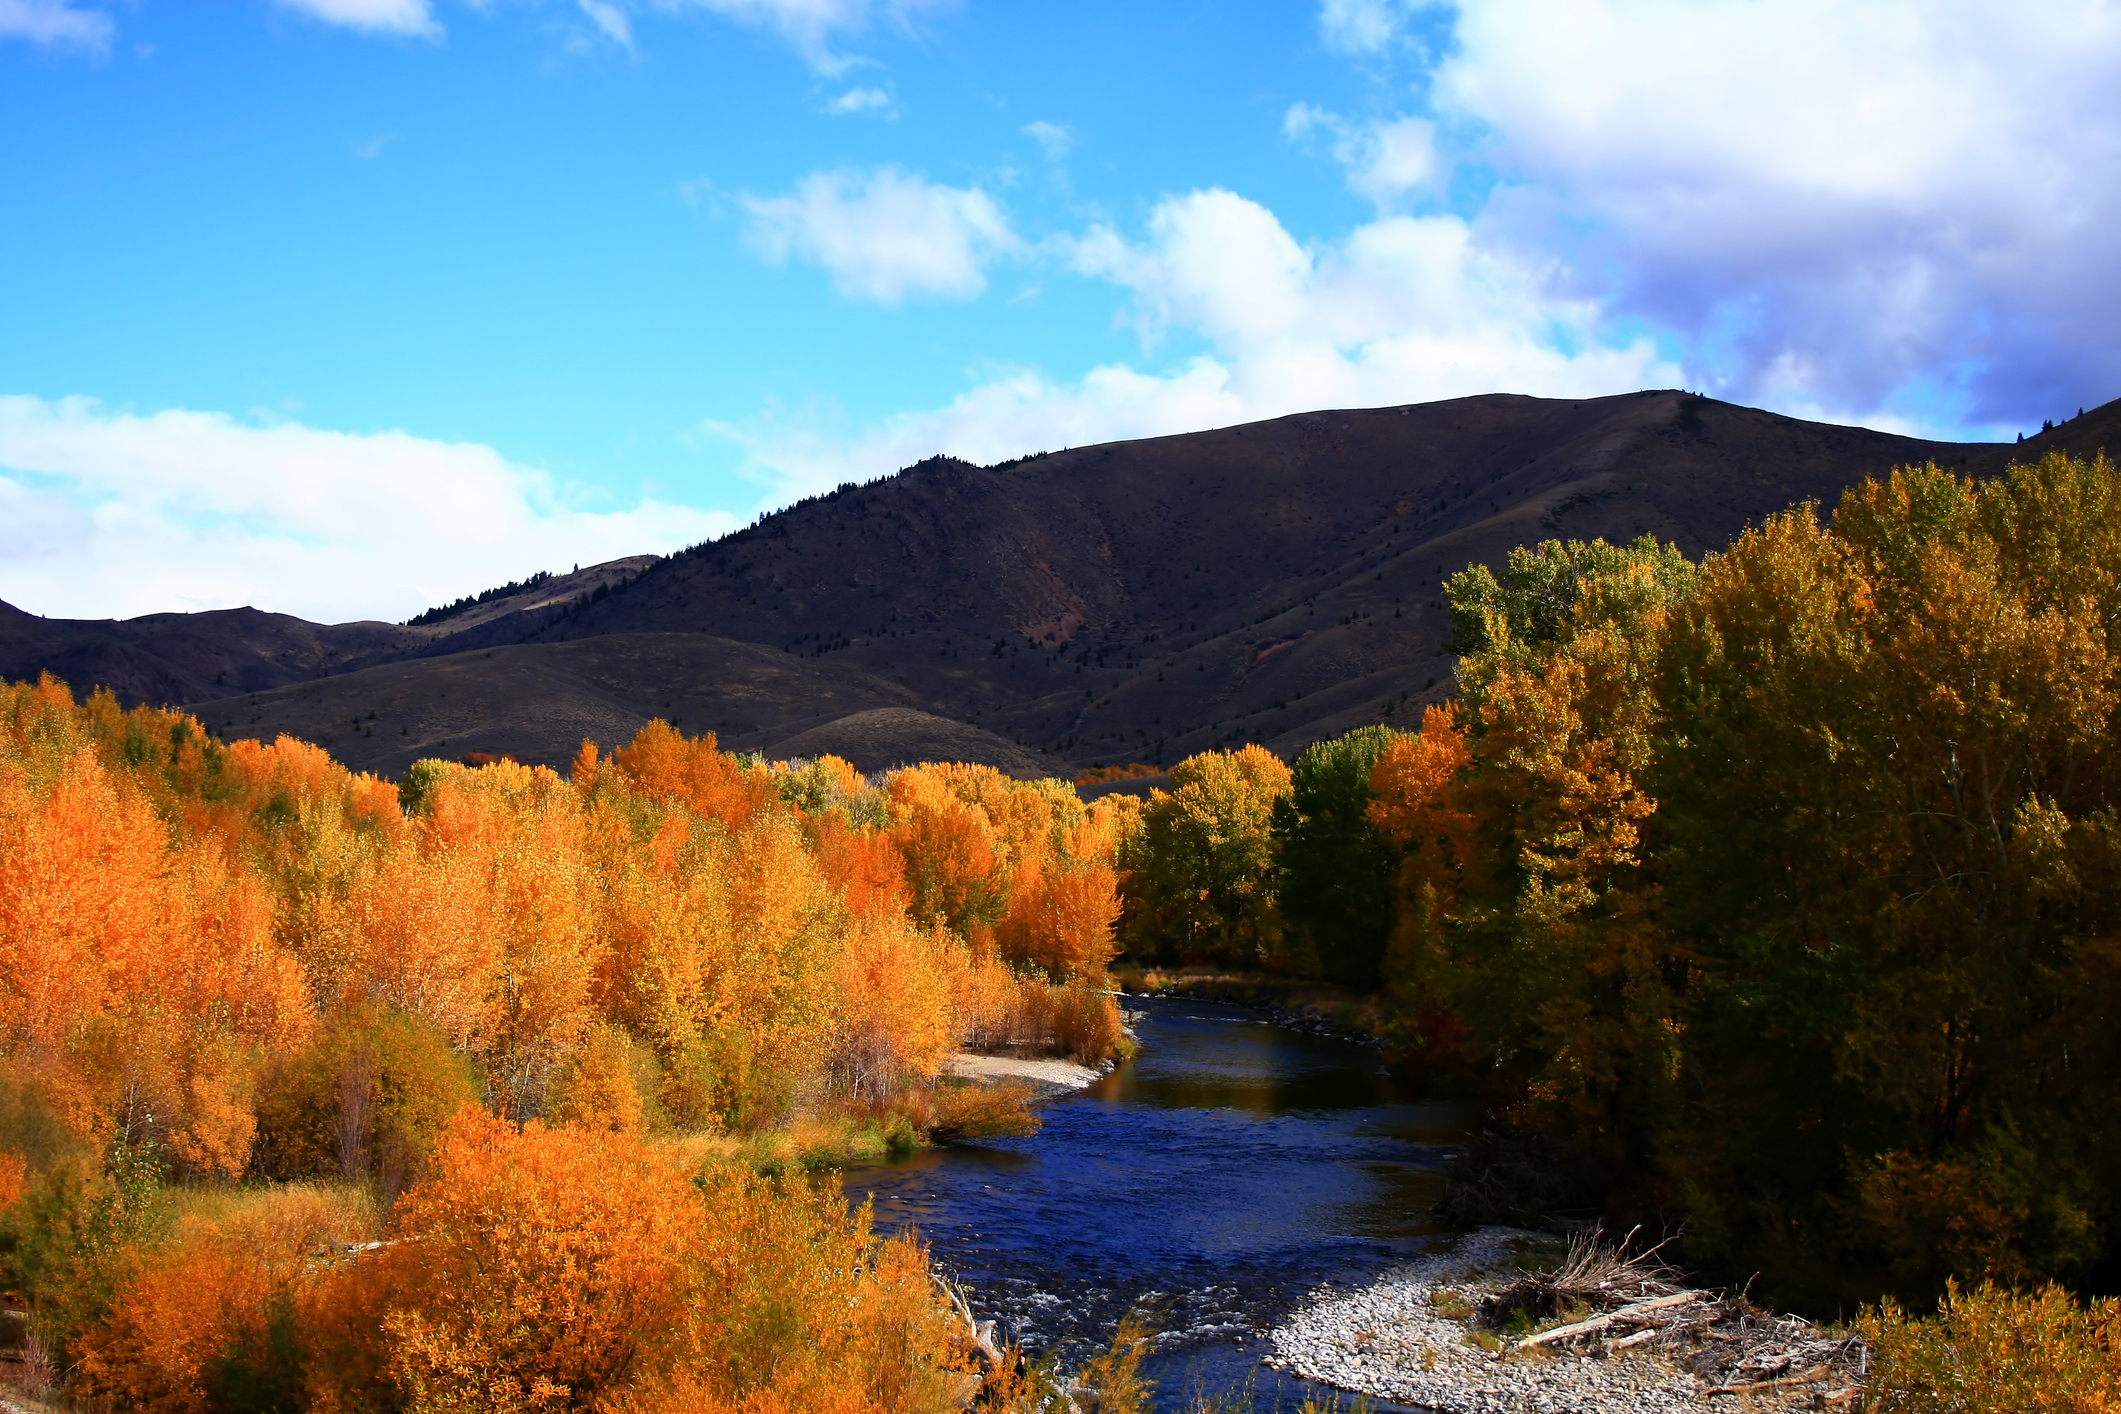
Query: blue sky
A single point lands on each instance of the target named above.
(345, 307)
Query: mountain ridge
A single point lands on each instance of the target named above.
(1275, 581)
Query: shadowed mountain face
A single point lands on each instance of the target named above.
(188, 658)
(1140, 601)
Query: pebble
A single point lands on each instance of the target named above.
(1389, 1341)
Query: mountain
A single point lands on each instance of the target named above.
(1274, 582)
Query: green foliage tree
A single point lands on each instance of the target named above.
(367, 1096)
(1888, 783)
(1335, 869)
(1546, 594)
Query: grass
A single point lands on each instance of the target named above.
(337, 1210)
(829, 1142)
(950, 1110)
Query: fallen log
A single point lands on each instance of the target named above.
(1811, 1376)
(1624, 1316)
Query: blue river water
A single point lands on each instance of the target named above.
(1227, 1171)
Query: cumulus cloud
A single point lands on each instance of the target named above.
(55, 23)
(884, 234)
(1386, 160)
(816, 27)
(375, 16)
(1360, 26)
(859, 100)
(1404, 309)
(610, 20)
(108, 514)
(1056, 140)
(1909, 203)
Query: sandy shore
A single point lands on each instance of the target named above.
(1052, 1077)
(1389, 1339)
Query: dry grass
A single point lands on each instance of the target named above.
(948, 1111)
(1072, 1020)
(833, 1141)
(1591, 1274)
(285, 1214)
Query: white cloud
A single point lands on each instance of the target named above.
(56, 23)
(1359, 26)
(1846, 204)
(377, 16)
(884, 234)
(106, 514)
(859, 100)
(1404, 310)
(1386, 160)
(815, 27)
(610, 19)
(1056, 140)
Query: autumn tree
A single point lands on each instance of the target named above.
(1890, 780)
(1200, 869)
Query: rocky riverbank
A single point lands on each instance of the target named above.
(1415, 1335)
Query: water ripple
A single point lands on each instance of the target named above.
(1230, 1169)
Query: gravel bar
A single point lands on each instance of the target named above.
(1390, 1340)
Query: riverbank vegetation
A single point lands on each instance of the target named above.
(1781, 889)
(552, 1055)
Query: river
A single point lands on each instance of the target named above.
(1228, 1170)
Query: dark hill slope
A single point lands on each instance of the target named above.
(1273, 582)
(2086, 435)
(538, 703)
(187, 658)
(183, 658)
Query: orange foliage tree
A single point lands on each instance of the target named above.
(242, 959)
(574, 1269)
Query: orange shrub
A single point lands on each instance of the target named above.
(179, 1312)
(565, 1269)
(1993, 1349)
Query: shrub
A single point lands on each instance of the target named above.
(366, 1097)
(1075, 1020)
(208, 1320)
(969, 1112)
(1990, 1350)
(570, 1268)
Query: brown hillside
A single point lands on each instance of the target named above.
(539, 703)
(2097, 430)
(883, 737)
(1274, 582)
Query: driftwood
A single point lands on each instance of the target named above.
(981, 1333)
(1635, 1314)
(1730, 1346)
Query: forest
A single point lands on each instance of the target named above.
(492, 1089)
(1774, 899)
(1777, 896)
